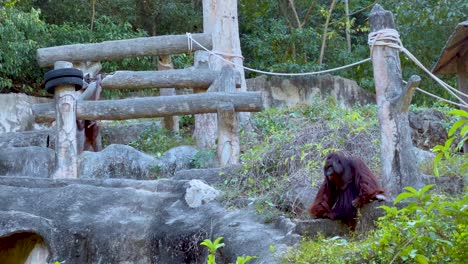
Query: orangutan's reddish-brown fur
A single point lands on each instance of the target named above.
(349, 184)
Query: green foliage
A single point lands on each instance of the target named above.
(20, 35)
(427, 228)
(203, 158)
(289, 144)
(214, 246)
(155, 140)
(450, 151)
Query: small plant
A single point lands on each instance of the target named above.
(203, 158)
(156, 141)
(214, 246)
(448, 151)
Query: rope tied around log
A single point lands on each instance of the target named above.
(389, 37)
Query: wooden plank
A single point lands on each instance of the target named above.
(148, 107)
(120, 49)
(184, 78)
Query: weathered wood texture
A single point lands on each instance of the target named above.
(120, 49)
(155, 106)
(221, 21)
(183, 78)
(399, 167)
(228, 125)
(170, 123)
(66, 142)
(206, 125)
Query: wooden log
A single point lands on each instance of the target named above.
(148, 107)
(399, 167)
(120, 49)
(228, 126)
(66, 159)
(170, 123)
(205, 131)
(183, 78)
(219, 19)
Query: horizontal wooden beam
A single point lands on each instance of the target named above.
(120, 49)
(183, 78)
(148, 107)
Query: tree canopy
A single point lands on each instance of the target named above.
(277, 36)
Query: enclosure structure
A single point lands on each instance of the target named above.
(454, 60)
(211, 73)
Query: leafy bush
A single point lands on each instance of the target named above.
(286, 141)
(156, 141)
(428, 228)
(450, 152)
(22, 33)
(20, 36)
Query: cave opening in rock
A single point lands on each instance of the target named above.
(23, 248)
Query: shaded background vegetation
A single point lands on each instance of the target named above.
(279, 36)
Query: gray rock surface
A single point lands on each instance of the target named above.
(118, 161)
(178, 158)
(124, 133)
(115, 161)
(128, 221)
(16, 113)
(280, 91)
(427, 129)
(27, 161)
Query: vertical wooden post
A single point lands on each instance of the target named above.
(228, 126)
(171, 123)
(399, 167)
(220, 19)
(66, 147)
(462, 86)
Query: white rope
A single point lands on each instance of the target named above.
(436, 96)
(189, 37)
(390, 38)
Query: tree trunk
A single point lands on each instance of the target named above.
(93, 13)
(65, 115)
(463, 87)
(221, 21)
(325, 31)
(348, 25)
(170, 123)
(399, 167)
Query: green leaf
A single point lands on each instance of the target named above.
(421, 259)
(436, 163)
(464, 131)
(456, 126)
(426, 188)
(403, 196)
(459, 112)
(411, 189)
